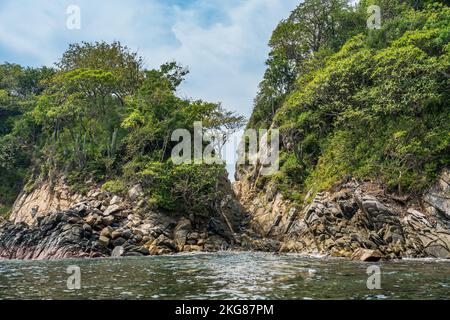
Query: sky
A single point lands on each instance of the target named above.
(222, 42)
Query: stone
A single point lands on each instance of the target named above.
(112, 209)
(195, 248)
(119, 242)
(367, 255)
(108, 220)
(115, 201)
(116, 234)
(438, 197)
(96, 204)
(164, 241)
(127, 234)
(87, 228)
(438, 251)
(146, 239)
(138, 238)
(216, 226)
(135, 192)
(181, 231)
(98, 221)
(73, 220)
(106, 232)
(143, 250)
(193, 236)
(104, 241)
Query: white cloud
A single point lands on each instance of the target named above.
(223, 42)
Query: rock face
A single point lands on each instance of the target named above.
(354, 219)
(43, 199)
(60, 235)
(102, 225)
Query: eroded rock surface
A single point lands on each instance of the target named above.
(103, 225)
(353, 220)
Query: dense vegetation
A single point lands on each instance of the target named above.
(99, 116)
(356, 102)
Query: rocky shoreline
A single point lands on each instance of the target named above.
(105, 225)
(356, 220)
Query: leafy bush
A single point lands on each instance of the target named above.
(375, 109)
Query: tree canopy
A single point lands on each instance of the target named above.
(369, 104)
(101, 116)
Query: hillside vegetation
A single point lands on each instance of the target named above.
(100, 117)
(355, 102)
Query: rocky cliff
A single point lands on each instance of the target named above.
(51, 223)
(354, 219)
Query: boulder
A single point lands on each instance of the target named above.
(108, 220)
(165, 242)
(104, 241)
(115, 201)
(216, 226)
(438, 197)
(135, 192)
(181, 232)
(87, 228)
(127, 234)
(106, 232)
(193, 236)
(112, 209)
(367, 255)
(119, 242)
(116, 234)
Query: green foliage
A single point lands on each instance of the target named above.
(102, 118)
(124, 64)
(185, 188)
(313, 31)
(18, 133)
(377, 109)
(115, 186)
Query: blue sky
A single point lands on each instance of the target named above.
(223, 42)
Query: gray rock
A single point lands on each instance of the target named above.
(112, 209)
(135, 192)
(119, 242)
(108, 220)
(106, 232)
(116, 200)
(181, 231)
(367, 255)
(438, 197)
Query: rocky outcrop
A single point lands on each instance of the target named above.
(102, 225)
(44, 198)
(59, 235)
(357, 220)
(354, 219)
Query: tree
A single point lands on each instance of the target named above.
(124, 64)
